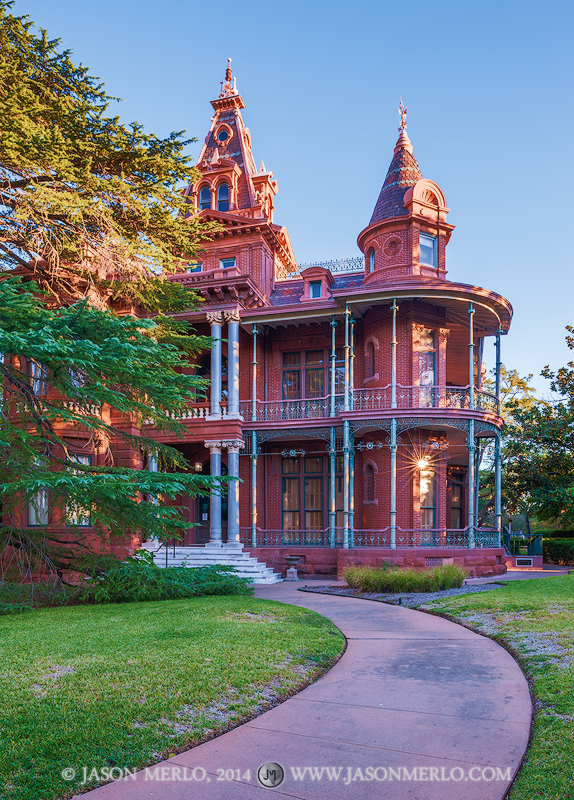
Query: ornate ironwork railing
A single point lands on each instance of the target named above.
(444, 397)
(276, 538)
(374, 399)
(449, 538)
(278, 410)
(341, 265)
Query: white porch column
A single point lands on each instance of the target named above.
(233, 448)
(215, 319)
(232, 319)
(214, 448)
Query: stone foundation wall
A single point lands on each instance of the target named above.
(321, 563)
(480, 562)
(316, 563)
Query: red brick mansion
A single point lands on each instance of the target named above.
(346, 395)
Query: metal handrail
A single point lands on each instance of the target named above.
(376, 398)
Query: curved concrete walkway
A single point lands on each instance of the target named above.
(441, 706)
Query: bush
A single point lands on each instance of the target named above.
(132, 580)
(395, 579)
(557, 534)
(558, 551)
(139, 578)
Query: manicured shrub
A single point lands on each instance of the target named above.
(557, 534)
(396, 579)
(558, 551)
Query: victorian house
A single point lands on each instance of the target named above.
(347, 396)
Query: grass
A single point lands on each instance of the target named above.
(396, 579)
(535, 620)
(128, 684)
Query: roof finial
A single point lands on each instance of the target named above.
(228, 88)
(403, 114)
(403, 141)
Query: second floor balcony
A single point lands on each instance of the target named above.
(376, 399)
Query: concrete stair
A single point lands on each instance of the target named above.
(232, 555)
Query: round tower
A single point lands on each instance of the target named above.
(408, 232)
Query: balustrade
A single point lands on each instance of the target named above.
(409, 538)
(372, 399)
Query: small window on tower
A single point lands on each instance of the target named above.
(226, 263)
(315, 290)
(223, 197)
(196, 267)
(204, 198)
(428, 250)
(372, 261)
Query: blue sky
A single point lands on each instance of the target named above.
(488, 88)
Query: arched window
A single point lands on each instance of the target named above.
(371, 260)
(204, 198)
(223, 197)
(369, 477)
(370, 360)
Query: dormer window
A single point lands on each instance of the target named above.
(371, 260)
(204, 198)
(226, 263)
(315, 290)
(428, 250)
(223, 197)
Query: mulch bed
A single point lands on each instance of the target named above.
(409, 599)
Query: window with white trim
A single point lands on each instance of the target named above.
(75, 514)
(315, 290)
(428, 254)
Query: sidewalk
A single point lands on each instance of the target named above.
(411, 691)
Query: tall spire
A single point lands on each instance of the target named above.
(228, 89)
(403, 172)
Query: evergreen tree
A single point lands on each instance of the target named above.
(93, 219)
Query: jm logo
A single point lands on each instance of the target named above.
(270, 775)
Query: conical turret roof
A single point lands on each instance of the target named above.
(403, 173)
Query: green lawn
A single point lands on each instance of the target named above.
(129, 684)
(535, 619)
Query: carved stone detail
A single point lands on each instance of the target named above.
(215, 317)
(213, 446)
(233, 445)
(232, 316)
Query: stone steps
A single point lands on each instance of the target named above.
(246, 566)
